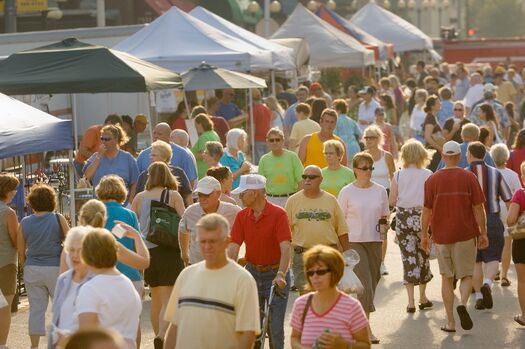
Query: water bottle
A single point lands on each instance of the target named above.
(317, 344)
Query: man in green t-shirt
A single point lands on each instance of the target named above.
(282, 169)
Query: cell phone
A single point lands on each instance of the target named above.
(119, 231)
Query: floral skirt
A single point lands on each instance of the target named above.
(416, 267)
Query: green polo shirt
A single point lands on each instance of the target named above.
(283, 173)
(334, 181)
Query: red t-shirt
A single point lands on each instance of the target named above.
(221, 126)
(450, 193)
(262, 237)
(519, 198)
(179, 124)
(91, 141)
(517, 156)
(262, 120)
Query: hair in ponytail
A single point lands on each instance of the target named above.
(93, 213)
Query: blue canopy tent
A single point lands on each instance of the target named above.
(26, 130)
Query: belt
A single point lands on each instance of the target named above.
(301, 249)
(279, 196)
(264, 267)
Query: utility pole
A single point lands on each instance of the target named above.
(10, 16)
(101, 13)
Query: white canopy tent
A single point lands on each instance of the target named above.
(282, 56)
(329, 47)
(391, 28)
(179, 41)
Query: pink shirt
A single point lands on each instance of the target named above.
(345, 317)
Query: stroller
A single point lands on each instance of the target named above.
(266, 330)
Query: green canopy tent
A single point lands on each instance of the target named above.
(71, 66)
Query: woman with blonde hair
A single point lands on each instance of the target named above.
(277, 112)
(327, 308)
(110, 159)
(407, 195)
(166, 263)
(204, 127)
(233, 157)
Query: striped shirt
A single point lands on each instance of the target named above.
(346, 317)
(493, 185)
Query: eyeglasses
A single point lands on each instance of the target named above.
(365, 168)
(458, 109)
(105, 139)
(310, 177)
(274, 140)
(370, 137)
(319, 272)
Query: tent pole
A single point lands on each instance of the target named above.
(151, 111)
(272, 75)
(74, 118)
(252, 130)
(72, 203)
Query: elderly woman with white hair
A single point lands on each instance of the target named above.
(500, 154)
(233, 157)
(67, 287)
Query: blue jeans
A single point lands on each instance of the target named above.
(278, 306)
(259, 150)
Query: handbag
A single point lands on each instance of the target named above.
(517, 231)
(164, 223)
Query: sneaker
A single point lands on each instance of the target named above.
(383, 270)
(479, 304)
(158, 343)
(487, 296)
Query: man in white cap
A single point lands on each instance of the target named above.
(263, 227)
(453, 205)
(209, 192)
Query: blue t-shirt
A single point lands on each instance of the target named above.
(289, 117)
(228, 111)
(233, 164)
(116, 212)
(180, 158)
(446, 111)
(123, 165)
(43, 238)
(348, 130)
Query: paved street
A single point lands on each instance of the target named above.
(391, 324)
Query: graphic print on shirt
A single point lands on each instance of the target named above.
(314, 215)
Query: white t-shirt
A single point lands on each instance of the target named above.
(66, 321)
(362, 208)
(116, 302)
(417, 118)
(474, 95)
(411, 186)
(513, 181)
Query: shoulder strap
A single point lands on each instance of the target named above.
(305, 311)
(165, 196)
(62, 235)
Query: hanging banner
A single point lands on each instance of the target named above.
(27, 6)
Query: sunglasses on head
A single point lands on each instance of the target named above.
(105, 139)
(310, 177)
(319, 272)
(274, 140)
(365, 168)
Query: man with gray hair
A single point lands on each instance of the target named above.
(263, 228)
(209, 193)
(182, 139)
(230, 313)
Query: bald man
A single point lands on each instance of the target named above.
(315, 218)
(180, 157)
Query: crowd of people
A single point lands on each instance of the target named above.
(436, 158)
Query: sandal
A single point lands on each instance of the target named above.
(411, 309)
(518, 319)
(505, 282)
(446, 329)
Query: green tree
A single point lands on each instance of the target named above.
(496, 18)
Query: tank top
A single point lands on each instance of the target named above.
(314, 151)
(380, 173)
(43, 239)
(7, 250)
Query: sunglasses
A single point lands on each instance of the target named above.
(105, 139)
(310, 177)
(458, 109)
(274, 140)
(319, 272)
(365, 168)
(370, 137)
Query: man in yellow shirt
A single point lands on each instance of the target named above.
(214, 303)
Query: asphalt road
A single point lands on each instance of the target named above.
(395, 328)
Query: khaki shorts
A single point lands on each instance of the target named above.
(458, 259)
(8, 279)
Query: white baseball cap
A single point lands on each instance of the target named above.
(451, 148)
(207, 185)
(250, 181)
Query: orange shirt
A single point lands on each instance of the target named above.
(315, 153)
(91, 141)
